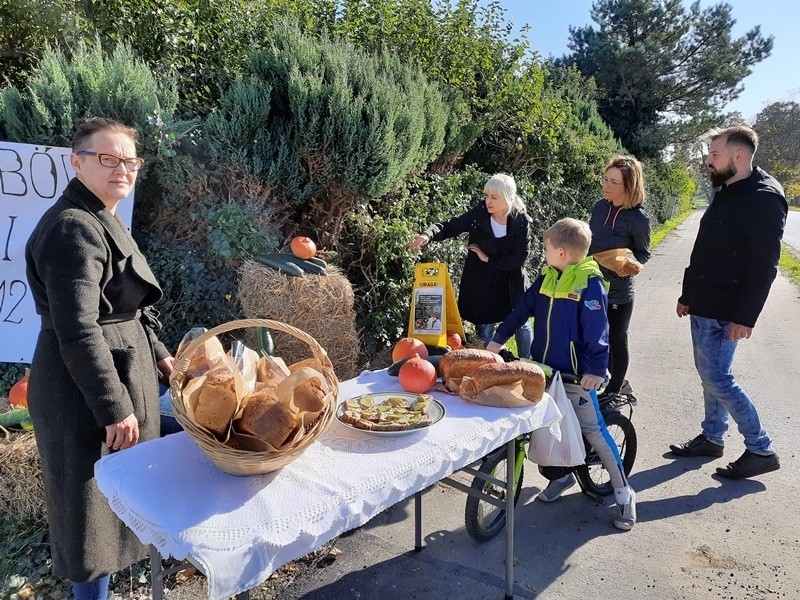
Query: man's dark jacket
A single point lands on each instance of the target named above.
(735, 255)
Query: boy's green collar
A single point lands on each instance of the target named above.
(571, 283)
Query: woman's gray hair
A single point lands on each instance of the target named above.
(507, 188)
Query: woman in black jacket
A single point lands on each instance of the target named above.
(619, 222)
(494, 277)
(94, 378)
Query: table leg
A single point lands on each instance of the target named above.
(418, 522)
(157, 574)
(511, 452)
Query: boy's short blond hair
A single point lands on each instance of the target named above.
(572, 235)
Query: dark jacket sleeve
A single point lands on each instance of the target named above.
(640, 237)
(72, 274)
(763, 231)
(594, 329)
(454, 227)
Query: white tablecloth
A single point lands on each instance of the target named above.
(239, 530)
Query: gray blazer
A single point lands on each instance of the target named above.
(94, 365)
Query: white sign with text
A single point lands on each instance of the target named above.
(31, 179)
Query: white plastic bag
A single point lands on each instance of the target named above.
(561, 444)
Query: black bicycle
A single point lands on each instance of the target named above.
(484, 520)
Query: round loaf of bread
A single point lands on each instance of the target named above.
(265, 417)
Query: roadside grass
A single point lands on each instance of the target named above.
(789, 263)
(667, 227)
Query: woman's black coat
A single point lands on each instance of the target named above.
(94, 364)
(490, 289)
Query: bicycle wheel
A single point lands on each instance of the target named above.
(592, 476)
(482, 519)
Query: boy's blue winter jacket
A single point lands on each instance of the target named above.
(570, 326)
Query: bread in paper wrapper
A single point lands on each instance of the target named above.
(275, 418)
(619, 260)
(504, 385)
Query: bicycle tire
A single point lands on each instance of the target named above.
(592, 476)
(482, 519)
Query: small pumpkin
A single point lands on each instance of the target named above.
(408, 347)
(417, 375)
(454, 340)
(18, 394)
(303, 247)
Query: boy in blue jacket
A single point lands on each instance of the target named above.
(570, 333)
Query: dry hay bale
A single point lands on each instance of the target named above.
(322, 306)
(22, 491)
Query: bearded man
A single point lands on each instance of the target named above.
(732, 267)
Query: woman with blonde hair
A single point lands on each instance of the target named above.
(494, 277)
(619, 223)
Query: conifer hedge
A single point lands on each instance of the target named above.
(329, 126)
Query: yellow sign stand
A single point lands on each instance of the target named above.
(434, 311)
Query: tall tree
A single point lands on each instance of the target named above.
(778, 127)
(663, 72)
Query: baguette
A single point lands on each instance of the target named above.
(464, 361)
(489, 375)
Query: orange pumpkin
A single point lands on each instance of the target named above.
(18, 394)
(408, 347)
(303, 247)
(454, 340)
(417, 375)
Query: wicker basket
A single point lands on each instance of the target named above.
(245, 462)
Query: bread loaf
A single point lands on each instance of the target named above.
(486, 376)
(265, 417)
(305, 389)
(463, 363)
(218, 400)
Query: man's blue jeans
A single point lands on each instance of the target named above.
(523, 336)
(713, 357)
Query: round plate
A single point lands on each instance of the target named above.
(435, 412)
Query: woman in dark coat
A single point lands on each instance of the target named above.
(494, 277)
(94, 378)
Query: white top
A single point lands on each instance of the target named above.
(498, 229)
(238, 530)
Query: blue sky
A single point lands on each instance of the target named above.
(772, 80)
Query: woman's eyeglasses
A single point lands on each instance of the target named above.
(112, 162)
(607, 181)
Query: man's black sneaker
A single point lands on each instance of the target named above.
(699, 446)
(750, 464)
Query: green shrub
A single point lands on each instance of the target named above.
(328, 125)
(199, 289)
(62, 89)
(374, 245)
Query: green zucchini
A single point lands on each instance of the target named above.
(437, 350)
(394, 370)
(306, 265)
(277, 261)
(265, 342)
(15, 417)
(318, 261)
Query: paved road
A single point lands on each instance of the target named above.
(698, 537)
(791, 234)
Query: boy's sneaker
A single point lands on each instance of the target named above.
(750, 464)
(627, 514)
(556, 487)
